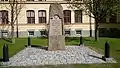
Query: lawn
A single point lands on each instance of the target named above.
(97, 46)
(20, 44)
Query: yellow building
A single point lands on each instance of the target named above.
(34, 18)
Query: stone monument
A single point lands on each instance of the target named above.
(56, 39)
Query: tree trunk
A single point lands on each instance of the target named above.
(96, 29)
(12, 33)
(12, 24)
(16, 20)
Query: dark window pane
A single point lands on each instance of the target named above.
(78, 0)
(103, 20)
(31, 33)
(30, 16)
(113, 19)
(67, 16)
(4, 33)
(3, 0)
(30, 0)
(78, 16)
(67, 32)
(67, 0)
(4, 17)
(42, 16)
(33, 20)
(29, 20)
(42, 33)
(78, 31)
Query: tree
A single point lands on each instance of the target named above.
(15, 7)
(97, 9)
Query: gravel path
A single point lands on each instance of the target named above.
(71, 55)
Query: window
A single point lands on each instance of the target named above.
(3, 0)
(67, 32)
(67, 16)
(41, 0)
(78, 31)
(30, 16)
(78, 16)
(4, 33)
(113, 19)
(103, 20)
(78, 0)
(31, 33)
(67, 0)
(42, 16)
(30, 0)
(4, 17)
(43, 33)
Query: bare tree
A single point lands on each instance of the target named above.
(97, 9)
(15, 7)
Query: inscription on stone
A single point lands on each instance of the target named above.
(56, 37)
(56, 26)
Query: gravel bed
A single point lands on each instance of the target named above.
(71, 55)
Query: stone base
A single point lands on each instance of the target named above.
(108, 60)
(81, 45)
(56, 43)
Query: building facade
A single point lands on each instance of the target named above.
(33, 20)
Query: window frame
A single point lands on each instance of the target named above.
(29, 0)
(78, 15)
(113, 19)
(3, 0)
(67, 0)
(4, 33)
(43, 33)
(68, 32)
(30, 35)
(78, 33)
(30, 18)
(4, 19)
(67, 16)
(42, 19)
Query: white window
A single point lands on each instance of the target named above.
(4, 33)
(42, 16)
(78, 31)
(30, 16)
(30, 33)
(67, 32)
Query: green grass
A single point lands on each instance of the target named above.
(114, 65)
(19, 44)
(97, 46)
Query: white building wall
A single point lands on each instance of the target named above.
(24, 27)
(72, 17)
